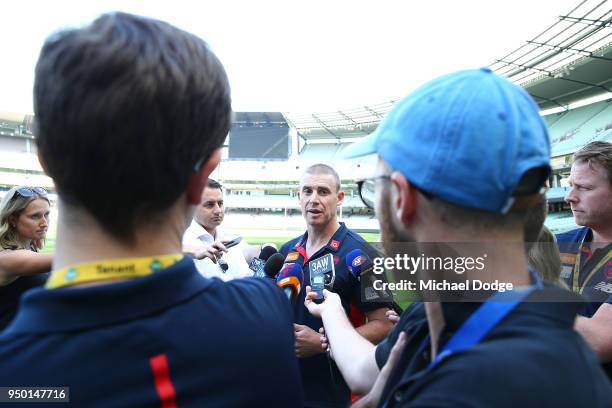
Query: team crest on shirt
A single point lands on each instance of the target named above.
(336, 259)
(334, 244)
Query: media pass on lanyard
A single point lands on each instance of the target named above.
(322, 275)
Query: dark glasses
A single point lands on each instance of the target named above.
(31, 191)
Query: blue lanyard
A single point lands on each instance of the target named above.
(482, 321)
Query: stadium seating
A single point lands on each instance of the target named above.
(574, 128)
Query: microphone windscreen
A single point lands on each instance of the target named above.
(273, 265)
(267, 252)
(291, 276)
(357, 261)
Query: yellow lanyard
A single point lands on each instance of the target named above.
(576, 278)
(110, 269)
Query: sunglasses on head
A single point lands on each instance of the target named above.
(30, 191)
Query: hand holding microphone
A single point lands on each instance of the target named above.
(213, 251)
(330, 301)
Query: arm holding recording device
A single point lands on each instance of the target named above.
(353, 353)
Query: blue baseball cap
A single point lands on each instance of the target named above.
(468, 138)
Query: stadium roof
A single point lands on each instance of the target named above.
(339, 124)
(569, 61)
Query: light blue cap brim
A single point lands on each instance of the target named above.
(364, 147)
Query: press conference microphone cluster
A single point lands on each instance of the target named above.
(258, 265)
(361, 267)
(290, 279)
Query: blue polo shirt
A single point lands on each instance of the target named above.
(594, 270)
(172, 337)
(324, 385)
(532, 358)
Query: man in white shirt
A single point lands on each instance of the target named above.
(204, 236)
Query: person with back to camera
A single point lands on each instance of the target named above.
(131, 113)
(24, 221)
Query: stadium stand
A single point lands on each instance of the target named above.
(574, 128)
(266, 152)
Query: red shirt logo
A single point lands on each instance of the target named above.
(335, 244)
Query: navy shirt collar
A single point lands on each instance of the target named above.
(334, 244)
(64, 309)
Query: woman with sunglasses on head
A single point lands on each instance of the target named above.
(24, 220)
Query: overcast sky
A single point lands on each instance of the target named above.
(307, 56)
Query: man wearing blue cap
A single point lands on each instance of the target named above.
(461, 160)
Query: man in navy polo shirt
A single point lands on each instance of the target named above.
(131, 115)
(586, 252)
(461, 160)
(320, 196)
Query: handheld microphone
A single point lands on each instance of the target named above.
(257, 264)
(322, 273)
(361, 267)
(273, 265)
(290, 279)
(357, 261)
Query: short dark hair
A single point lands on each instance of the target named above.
(127, 109)
(598, 152)
(214, 184)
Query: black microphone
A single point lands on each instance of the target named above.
(273, 265)
(257, 264)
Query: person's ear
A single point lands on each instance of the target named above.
(199, 179)
(403, 198)
(340, 197)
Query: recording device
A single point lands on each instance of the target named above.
(257, 264)
(290, 279)
(219, 256)
(322, 275)
(361, 267)
(273, 265)
(233, 242)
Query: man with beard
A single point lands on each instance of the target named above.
(586, 252)
(460, 161)
(320, 195)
